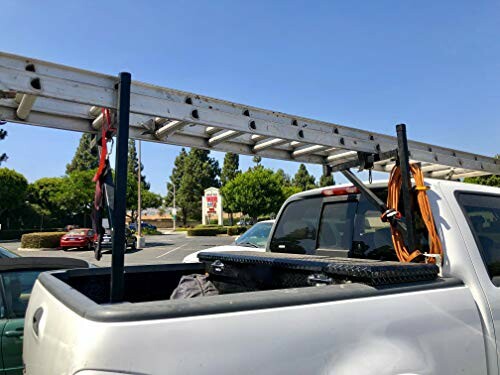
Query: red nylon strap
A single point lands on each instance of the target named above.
(106, 124)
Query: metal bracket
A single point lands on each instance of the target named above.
(365, 160)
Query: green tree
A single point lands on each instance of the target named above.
(286, 184)
(492, 180)
(151, 200)
(229, 168)
(85, 157)
(257, 159)
(303, 179)
(255, 192)
(148, 199)
(48, 196)
(176, 176)
(78, 194)
(288, 191)
(326, 180)
(200, 172)
(229, 172)
(3, 134)
(284, 178)
(13, 189)
(133, 163)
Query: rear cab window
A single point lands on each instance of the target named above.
(482, 212)
(342, 226)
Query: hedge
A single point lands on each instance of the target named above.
(236, 230)
(211, 231)
(41, 240)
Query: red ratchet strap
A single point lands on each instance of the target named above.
(106, 125)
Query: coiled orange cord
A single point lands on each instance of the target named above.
(394, 189)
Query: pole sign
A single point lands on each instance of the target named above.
(211, 205)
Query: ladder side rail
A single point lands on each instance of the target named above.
(177, 139)
(309, 136)
(154, 107)
(57, 88)
(66, 108)
(81, 76)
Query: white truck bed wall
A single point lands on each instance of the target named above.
(433, 331)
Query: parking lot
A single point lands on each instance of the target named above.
(166, 248)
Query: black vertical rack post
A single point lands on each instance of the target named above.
(122, 135)
(404, 164)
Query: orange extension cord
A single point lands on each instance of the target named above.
(395, 182)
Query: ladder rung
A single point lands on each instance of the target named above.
(223, 136)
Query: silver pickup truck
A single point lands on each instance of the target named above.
(443, 326)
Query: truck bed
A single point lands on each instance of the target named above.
(148, 288)
(337, 329)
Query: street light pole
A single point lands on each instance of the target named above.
(139, 208)
(175, 209)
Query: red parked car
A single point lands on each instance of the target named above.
(81, 237)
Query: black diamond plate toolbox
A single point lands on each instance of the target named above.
(254, 270)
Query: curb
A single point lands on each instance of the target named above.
(39, 249)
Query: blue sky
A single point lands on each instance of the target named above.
(434, 65)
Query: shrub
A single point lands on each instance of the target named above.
(149, 231)
(236, 230)
(210, 231)
(41, 240)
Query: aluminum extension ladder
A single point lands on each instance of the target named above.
(45, 94)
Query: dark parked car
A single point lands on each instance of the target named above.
(106, 242)
(144, 225)
(82, 238)
(17, 277)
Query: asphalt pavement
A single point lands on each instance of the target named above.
(165, 248)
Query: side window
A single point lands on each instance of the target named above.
(483, 215)
(297, 228)
(90, 233)
(17, 287)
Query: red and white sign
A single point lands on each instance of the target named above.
(211, 205)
